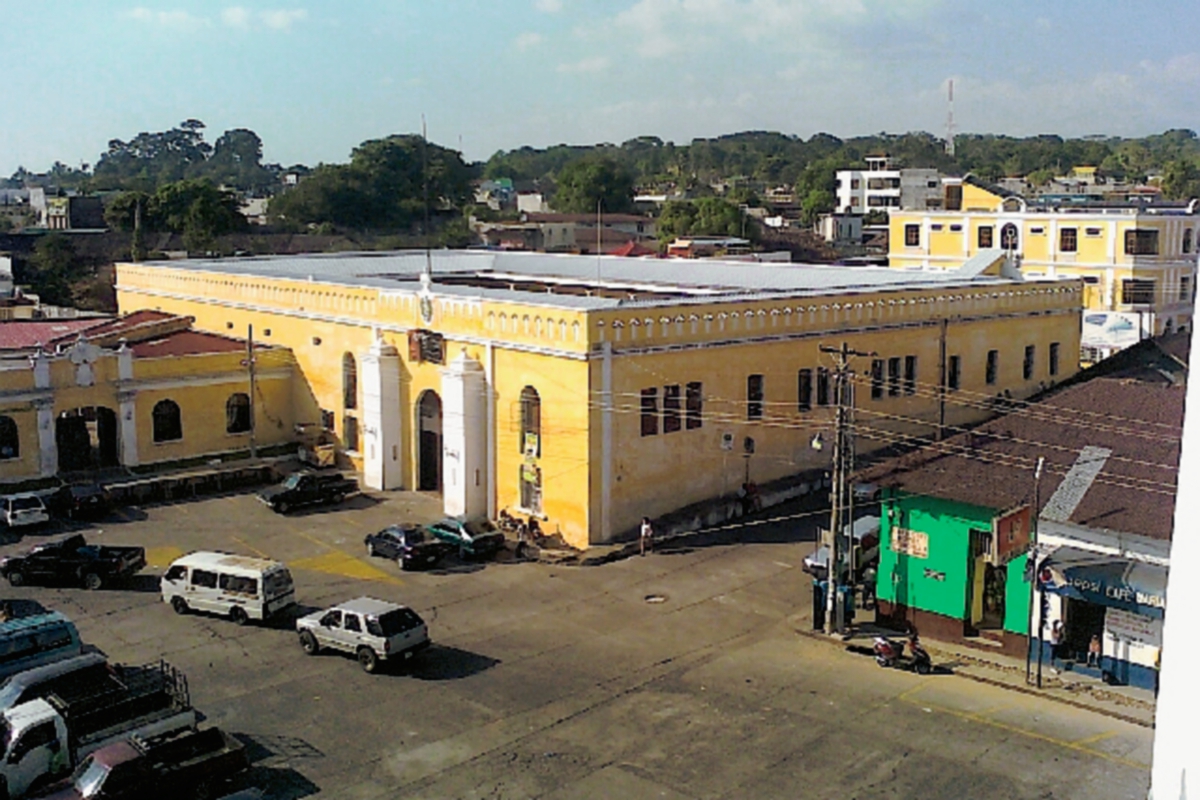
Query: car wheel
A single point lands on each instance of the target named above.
(308, 643)
(92, 581)
(924, 667)
(179, 605)
(16, 578)
(338, 498)
(401, 563)
(282, 507)
(203, 791)
(238, 615)
(368, 660)
(370, 550)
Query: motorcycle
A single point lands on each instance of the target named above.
(890, 653)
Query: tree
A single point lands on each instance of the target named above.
(53, 267)
(707, 216)
(583, 184)
(197, 209)
(1181, 180)
(236, 161)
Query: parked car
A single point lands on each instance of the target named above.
(307, 488)
(184, 763)
(81, 500)
(74, 560)
(375, 631)
(16, 608)
(408, 545)
(23, 510)
(32, 641)
(473, 539)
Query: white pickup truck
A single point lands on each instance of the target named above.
(43, 739)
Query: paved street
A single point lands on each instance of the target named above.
(564, 682)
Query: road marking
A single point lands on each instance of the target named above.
(338, 563)
(250, 547)
(162, 556)
(1043, 737)
(1099, 737)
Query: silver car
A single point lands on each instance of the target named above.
(374, 631)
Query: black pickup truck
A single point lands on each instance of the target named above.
(187, 763)
(308, 488)
(73, 560)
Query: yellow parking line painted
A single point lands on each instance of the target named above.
(250, 547)
(338, 563)
(162, 556)
(1099, 737)
(1042, 737)
(908, 693)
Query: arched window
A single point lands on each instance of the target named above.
(531, 422)
(10, 442)
(167, 424)
(237, 413)
(349, 381)
(1008, 237)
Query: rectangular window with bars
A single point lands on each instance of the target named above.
(912, 235)
(1054, 358)
(1068, 240)
(1027, 364)
(694, 405)
(893, 367)
(993, 366)
(671, 419)
(1141, 242)
(877, 379)
(754, 397)
(910, 374)
(650, 412)
(954, 373)
(804, 390)
(985, 236)
(822, 386)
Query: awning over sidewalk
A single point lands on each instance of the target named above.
(1105, 580)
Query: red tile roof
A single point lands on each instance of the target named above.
(27, 334)
(187, 343)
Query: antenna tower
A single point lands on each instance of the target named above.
(950, 122)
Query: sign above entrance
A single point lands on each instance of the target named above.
(426, 346)
(910, 543)
(1010, 535)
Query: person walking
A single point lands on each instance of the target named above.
(647, 538)
(1056, 635)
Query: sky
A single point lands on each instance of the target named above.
(315, 79)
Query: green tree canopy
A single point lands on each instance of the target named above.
(194, 208)
(1181, 180)
(707, 216)
(583, 184)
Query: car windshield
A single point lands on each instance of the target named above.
(26, 503)
(481, 528)
(393, 622)
(277, 583)
(292, 481)
(412, 535)
(89, 777)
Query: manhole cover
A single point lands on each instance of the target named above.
(656, 598)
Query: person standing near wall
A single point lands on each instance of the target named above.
(1056, 636)
(647, 538)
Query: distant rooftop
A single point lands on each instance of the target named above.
(585, 282)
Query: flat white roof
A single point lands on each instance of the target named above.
(662, 281)
(227, 561)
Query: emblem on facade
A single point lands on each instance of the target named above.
(426, 309)
(83, 354)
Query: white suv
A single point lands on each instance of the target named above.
(373, 630)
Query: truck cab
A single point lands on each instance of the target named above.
(34, 740)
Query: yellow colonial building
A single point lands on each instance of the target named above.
(592, 391)
(144, 389)
(1137, 260)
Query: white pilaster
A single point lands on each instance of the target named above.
(127, 425)
(47, 446)
(381, 416)
(464, 438)
(606, 444)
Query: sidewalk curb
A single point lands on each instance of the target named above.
(1028, 690)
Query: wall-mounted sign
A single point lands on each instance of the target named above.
(426, 346)
(1133, 627)
(910, 543)
(1010, 535)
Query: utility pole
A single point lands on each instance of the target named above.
(842, 459)
(250, 368)
(1033, 580)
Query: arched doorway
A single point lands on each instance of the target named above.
(87, 439)
(429, 442)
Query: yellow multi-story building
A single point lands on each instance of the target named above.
(141, 390)
(1137, 260)
(592, 391)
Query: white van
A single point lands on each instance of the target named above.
(240, 587)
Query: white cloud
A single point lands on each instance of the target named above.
(548, 6)
(527, 40)
(597, 64)
(282, 18)
(178, 20)
(236, 17)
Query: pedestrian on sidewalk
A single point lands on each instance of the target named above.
(647, 539)
(1094, 652)
(1056, 635)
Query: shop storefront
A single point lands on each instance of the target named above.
(1118, 601)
